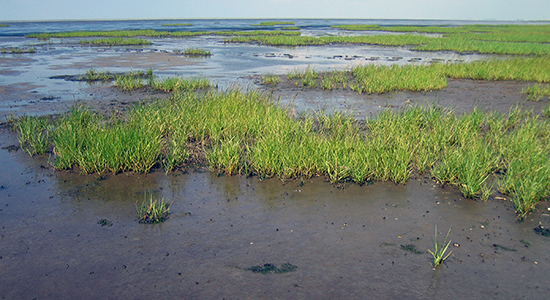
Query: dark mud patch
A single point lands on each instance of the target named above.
(542, 231)
(272, 269)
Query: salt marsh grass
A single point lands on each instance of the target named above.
(536, 92)
(270, 79)
(194, 52)
(247, 133)
(381, 79)
(116, 42)
(153, 211)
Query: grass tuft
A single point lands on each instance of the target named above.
(152, 211)
(440, 250)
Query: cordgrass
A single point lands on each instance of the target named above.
(536, 92)
(4, 25)
(16, 50)
(246, 133)
(505, 39)
(270, 79)
(136, 80)
(116, 42)
(194, 52)
(381, 79)
(95, 75)
(153, 211)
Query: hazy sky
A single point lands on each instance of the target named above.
(363, 9)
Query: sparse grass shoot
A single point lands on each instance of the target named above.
(440, 250)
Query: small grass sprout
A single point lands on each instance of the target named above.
(270, 79)
(439, 250)
(153, 211)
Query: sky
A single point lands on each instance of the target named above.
(507, 10)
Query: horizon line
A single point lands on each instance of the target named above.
(275, 18)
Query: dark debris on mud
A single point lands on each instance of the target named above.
(271, 268)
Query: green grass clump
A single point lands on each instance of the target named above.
(178, 24)
(116, 42)
(129, 82)
(270, 79)
(194, 52)
(15, 50)
(273, 23)
(291, 28)
(536, 92)
(94, 75)
(152, 211)
(33, 134)
(180, 84)
(234, 132)
(4, 25)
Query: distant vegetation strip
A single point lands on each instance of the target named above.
(115, 42)
(155, 33)
(416, 42)
(4, 25)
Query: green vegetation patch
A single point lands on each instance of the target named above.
(116, 42)
(381, 79)
(536, 92)
(153, 211)
(194, 52)
(291, 28)
(513, 39)
(246, 133)
(16, 50)
(4, 25)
